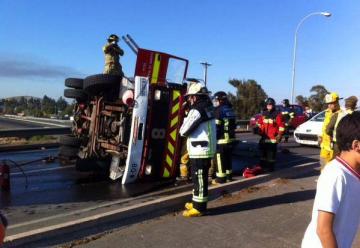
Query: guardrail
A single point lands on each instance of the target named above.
(44, 121)
(241, 125)
(29, 132)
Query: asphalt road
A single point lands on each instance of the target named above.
(10, 123)
(48, 189)
(52, 189)
(272, 215)
(6, 123)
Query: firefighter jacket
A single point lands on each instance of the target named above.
(112, 59)
(271, 125)
(334, 122)
(288, 115)
(326, 139)
(225, 120)
(199, 128)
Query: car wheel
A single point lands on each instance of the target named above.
(101, 82)
(76, 83)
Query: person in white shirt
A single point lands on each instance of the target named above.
(336, 211)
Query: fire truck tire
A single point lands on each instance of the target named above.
(76, 83)
(69, 140)
(76, 94)
(68, 151)
(101, 82)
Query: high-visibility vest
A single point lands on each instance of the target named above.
(341, 114)
(326, 139)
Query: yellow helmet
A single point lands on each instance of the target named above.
(332, 97)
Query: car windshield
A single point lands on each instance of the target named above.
(319, 117)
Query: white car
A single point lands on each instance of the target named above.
(308, 132)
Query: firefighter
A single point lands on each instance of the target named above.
(199, 128)
(350, 106)
(184, 159)
(271, 130)
(225, 134)
(325, 140)
(288, 116)
(112, 53)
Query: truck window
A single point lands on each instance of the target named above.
(176, 71)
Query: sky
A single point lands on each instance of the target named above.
(44, 42)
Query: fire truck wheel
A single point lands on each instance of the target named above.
(69, 140)
(101, 82)
(68, 151)
(76, 83)
(77, 94)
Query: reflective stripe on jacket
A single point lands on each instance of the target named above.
(225, 124)
(271, 124)
(199, 127)
(288, 115)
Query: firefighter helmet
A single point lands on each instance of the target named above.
(113, 37)
(270, 101)
(286, 102)
(332, 97)
(220, 95)
(197, 89)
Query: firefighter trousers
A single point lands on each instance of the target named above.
(199, 176)
(286, 132)
(326, 155)
(224, 162)
(268, 155)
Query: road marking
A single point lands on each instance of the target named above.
(37, 122)
(76, 212)
(122, 210)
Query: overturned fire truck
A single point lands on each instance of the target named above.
(129, 127)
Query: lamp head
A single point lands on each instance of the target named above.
(326, 14)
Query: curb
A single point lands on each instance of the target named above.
(107, 220)
(28, 147)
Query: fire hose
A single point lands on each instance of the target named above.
(5, 170)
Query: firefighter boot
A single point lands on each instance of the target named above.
(192, 213)
(189, 206)
(184, 173)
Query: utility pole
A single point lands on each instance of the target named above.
(205, 65)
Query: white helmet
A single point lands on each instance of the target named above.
(197, 89)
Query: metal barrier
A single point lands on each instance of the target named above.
(242, 125)
(29, 132)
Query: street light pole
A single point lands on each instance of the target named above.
(326, 14)
(205, 65)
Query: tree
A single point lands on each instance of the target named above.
(302, 100)
(317, 100)
(249, 97)
(61, 104)
(48, 105)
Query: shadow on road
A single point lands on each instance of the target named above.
(286, 198)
